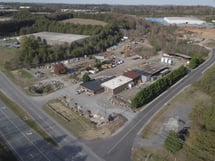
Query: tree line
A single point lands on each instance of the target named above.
(35, 51)
(149, 93)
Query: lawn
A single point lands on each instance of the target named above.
(25, 74)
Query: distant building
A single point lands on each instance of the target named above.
(183, 20)
(116, 85)
(24, 7)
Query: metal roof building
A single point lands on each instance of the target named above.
(94, 87)
(133, 75)
(117, 84)
(183, 20)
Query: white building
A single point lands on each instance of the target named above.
(117, 84)
(183, 20)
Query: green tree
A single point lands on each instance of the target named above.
(195, 62)
(172, 142)
(86, 78)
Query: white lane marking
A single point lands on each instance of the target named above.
(25, 135)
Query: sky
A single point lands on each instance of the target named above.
(128, 2)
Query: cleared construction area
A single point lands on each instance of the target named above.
(54, 38)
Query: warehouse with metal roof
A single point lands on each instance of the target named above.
(183, 20)
(117, 84)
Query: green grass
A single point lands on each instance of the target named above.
(77, 126)
(25, 74)
(26, 118)
(5, 152)
(141, 154)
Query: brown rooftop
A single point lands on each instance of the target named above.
(131, 74)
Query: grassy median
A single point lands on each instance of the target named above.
(24, 116)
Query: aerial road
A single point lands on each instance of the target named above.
(115, 148)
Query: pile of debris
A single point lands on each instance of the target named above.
(46, 87)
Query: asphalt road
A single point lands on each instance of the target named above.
(119, 147)
(70, 147)
(116, 148)
(24, 142)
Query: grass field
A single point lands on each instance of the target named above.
(21, 77)
(24, 116)
(7, 54)
(5, 152)
(85, 21)
(25, 74)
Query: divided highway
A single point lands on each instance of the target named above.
(115, 148)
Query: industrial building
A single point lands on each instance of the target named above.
(117, 85)
(145, 77)
(94, 87)
(184, 20)
(133, 75)
(54, 38)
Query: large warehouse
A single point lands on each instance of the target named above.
(183, 20)
(117, 84)
(54, 38)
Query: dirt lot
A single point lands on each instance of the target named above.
(202, 33)
(81, 126)
(85, 21)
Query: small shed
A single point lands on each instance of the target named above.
(144, 76)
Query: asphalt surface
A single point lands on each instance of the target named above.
(24, 142)
(116, 148)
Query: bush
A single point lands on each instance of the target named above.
(195, 62)
(86, 78)
(172, 142)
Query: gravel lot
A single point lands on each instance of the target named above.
(174, 119)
